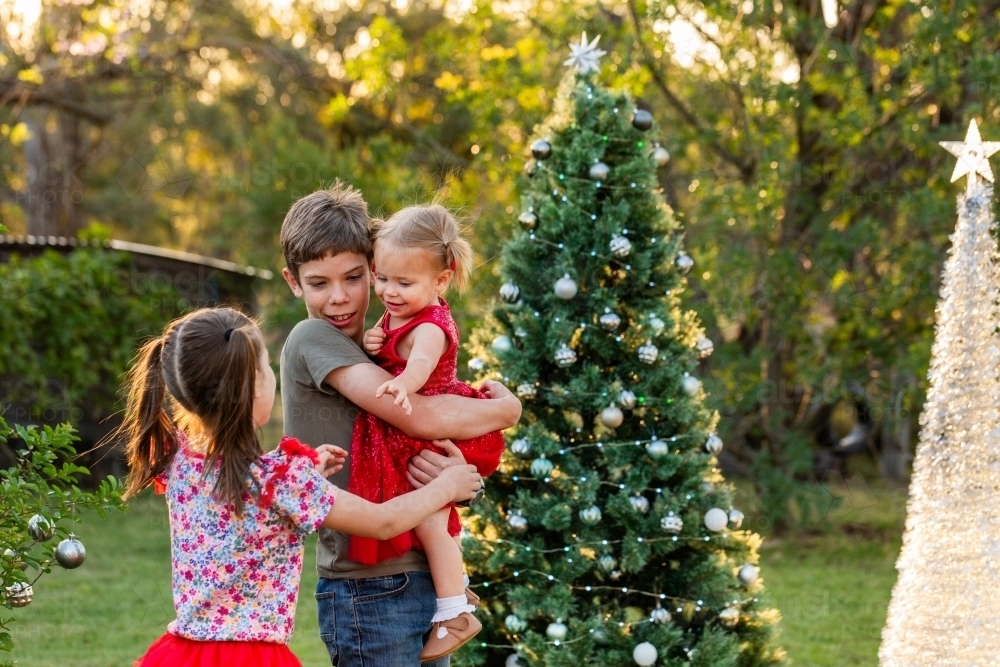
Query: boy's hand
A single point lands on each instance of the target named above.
(396, 387)
(374, 338)
(331, 459)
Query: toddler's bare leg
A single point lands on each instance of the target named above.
(443, 555)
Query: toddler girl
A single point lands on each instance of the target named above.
(418, 254)
(238, 516)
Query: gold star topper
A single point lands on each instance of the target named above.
(973, 156)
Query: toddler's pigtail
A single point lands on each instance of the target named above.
(150, 431)
(460, 261)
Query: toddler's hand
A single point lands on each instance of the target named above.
(331, 459)
(396, 387)
(374, 338)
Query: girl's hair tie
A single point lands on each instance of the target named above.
(453, 265)
(229, 332)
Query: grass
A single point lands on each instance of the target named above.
(831, 586)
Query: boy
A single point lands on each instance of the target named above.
(368, 615)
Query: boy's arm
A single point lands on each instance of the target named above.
(433, 417)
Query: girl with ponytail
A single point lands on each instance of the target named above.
(239, 517)
(419, 253)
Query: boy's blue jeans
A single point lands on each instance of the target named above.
(377, 622)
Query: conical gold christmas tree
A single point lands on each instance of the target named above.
(945, 607)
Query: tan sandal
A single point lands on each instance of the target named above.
(471, 598)
(448, 636)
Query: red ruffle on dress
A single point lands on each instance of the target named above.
(380, 452)
(173, 651)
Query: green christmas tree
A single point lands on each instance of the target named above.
(608, 537)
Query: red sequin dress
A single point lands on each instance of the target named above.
(380, 452)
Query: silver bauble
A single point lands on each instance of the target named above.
(684, 262)
(565, 287)
(657, 325)
(644, 654)
(729, 617)
(714, 444)
(657, 449)
(648, 353)
(627, 399)
(672, 523)
(531, 167)
(565, 356)
(541, 149)
(612, 416)
(610, 320)
(704, 346)
(642, 120)
(736, 518)
(40, 529)
(520, 447)
(748, 574)
(19, 594)
(502, 344)
(661, 156)
(556, 631)
(607, 563)
(12, 556)
(691, 385)
(515, 623)
(599, 171)
(527, 390)
(620, 246)
(639, 503)
(510, 292)
(528, 220)
(591, 515)
(716, 519)
(616, 575)
(541, 467)
(600, 636)
(660, 615)
(70, 553)
(520, 332)
(513, 660)
(476, 364)
(517, 523)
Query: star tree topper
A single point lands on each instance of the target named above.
(973, 156)
(584, 55)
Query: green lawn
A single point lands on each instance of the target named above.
(832, 589)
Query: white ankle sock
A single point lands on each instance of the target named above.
(449, 608)
(465, 580)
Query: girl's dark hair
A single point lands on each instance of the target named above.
(200, 375)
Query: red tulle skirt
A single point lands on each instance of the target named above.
(173, 651)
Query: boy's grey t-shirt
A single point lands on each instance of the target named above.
(317, 414)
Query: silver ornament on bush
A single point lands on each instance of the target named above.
(610, 320)
(19, 594)
(620, 246)
(40, 529)
(510, 292)
(748, 574)
(716, 519)
(517, 523)
(729, 617)
(528, 220)
(657, 449)
(556, 630)
(502, 344)
(691, 385)
(648, 353)
(661, 156)
(520, 447)
(660, 615)
(612, 416)
(565, 356)
(541, 467)
(642, 120)
(684, 262)
(672, 523)
(541, 149)
(599, 171)
(705, 347)
(644, 654)
(15, 559)
(639, 503)
(527, 390)
(565, 287)
(476, 364)
(607, 563)
(515, 623)
(70, 553)
(591, 515)
(714, 444)
(627, 399)
(736, 518)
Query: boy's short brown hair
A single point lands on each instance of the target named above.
(326, 222)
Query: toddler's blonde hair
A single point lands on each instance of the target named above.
(435, 229)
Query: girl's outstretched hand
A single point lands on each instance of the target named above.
(331, 459)
(374, 338)
(396, 387)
